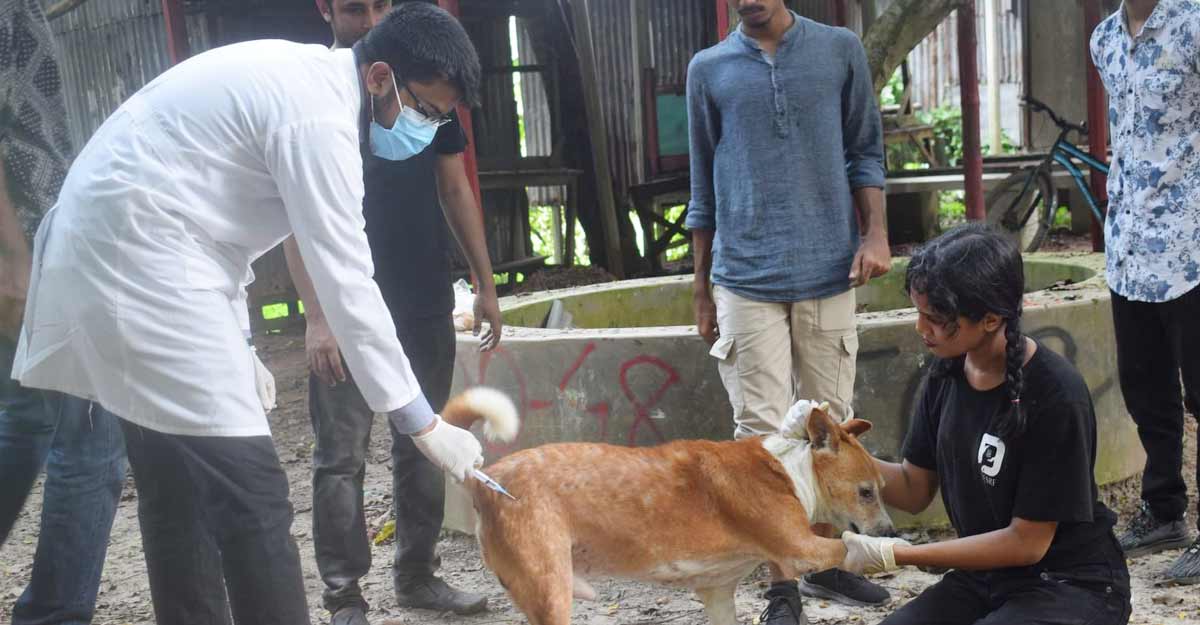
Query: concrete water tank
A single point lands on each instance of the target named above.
(632, 371)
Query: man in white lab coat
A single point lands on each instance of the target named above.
(139, 266)
(407, 206)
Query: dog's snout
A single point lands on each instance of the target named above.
(887, 531)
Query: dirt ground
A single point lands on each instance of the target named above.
(125, 598)
(555, 277)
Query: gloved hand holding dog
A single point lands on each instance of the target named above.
(452, 449)
(866, 555)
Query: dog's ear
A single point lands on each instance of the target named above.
(823, 432)
(856, 427)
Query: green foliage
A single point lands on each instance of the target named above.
(1062, 218)
(541, 227)
(893, 90)
(947, 132)
(672, 213)
(502, 279)
(676, 253)
(275, 311)
(952, 209)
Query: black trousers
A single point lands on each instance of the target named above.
(342, 423)
(1157, 345)
(216, 523)
(1093, 595)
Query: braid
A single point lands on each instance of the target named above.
(1014, 356)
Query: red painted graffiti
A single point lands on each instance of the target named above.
(587, 351)
(642, 408)
(600, 410)
(523, 403)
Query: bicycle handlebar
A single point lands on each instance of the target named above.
(1040, 107)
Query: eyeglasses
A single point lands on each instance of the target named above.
(432, 118)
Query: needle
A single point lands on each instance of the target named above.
(492, 484)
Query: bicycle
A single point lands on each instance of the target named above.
(1029, 214)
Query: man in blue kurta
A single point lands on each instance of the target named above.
(786, 160)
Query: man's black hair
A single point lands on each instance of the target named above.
(422, 42)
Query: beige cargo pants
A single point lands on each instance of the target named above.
(770, 354)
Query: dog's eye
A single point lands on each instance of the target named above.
(866, 494)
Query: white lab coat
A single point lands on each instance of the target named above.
(139, 267)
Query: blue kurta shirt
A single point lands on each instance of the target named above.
(778, 144)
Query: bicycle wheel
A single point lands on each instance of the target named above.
(1024, 208)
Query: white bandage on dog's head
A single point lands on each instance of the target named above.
(795, 424)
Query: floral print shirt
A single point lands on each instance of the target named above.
(1152, 231)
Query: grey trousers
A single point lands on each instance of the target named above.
(342, 424)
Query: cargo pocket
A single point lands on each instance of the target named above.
(847, 358)
(836, 314)
(725, 351)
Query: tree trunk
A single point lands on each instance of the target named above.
(899, 29)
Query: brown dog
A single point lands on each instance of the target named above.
(694, 514)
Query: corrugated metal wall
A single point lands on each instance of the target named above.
(934, 62)
(612, 28)
(109, 49)
(813, 9)
(536, 93)
(497, 140)
(678, 29)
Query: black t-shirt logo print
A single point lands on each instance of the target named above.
(991, 456)
(986, 481)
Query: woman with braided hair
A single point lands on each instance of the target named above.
(1006, 429)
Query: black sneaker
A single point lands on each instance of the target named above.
(350, 615)
(783, 605)
(431, 593)
(1146, 534)
(842, 587)
(1186, 569)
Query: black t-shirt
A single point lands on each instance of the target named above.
(1046, 474)
(407, 229)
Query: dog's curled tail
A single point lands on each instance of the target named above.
(493, 407)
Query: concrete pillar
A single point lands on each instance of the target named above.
(912, 217)
(992, 21)
(1056, 71)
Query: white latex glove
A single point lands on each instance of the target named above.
(452, 449)
(264, 383)
(866, 555)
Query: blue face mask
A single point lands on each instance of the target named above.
(409, 135)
